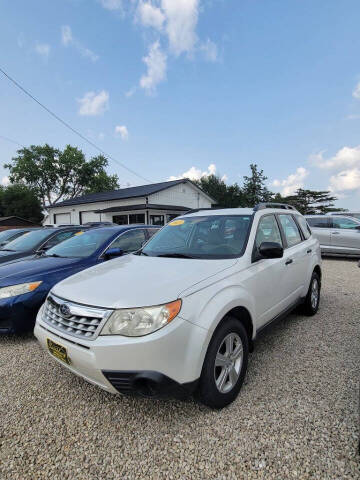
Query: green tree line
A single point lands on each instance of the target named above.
(41, 175)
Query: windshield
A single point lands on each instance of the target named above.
(211, 237)
(8, 234)
(81, 245)
(28, 241)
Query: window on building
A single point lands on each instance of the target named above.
(137, 218)
(120, 219)
(157, 219)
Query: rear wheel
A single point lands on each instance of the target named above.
(312, 300)
(225, 364)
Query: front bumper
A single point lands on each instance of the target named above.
(18, 314)
(166, 362)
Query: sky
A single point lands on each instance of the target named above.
(174, 88)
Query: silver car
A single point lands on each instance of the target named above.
(347, 214)
(337, 234)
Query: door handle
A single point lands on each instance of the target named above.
(335, 233)
(289, 261)
(309, 251)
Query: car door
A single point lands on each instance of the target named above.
(345, 235)
(267, 275)
(320, 228)
(295, 258)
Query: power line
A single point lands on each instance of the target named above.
(11, 141)
(67, 125)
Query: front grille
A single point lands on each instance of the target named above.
(79, 320)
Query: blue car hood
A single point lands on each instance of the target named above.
(35, 268)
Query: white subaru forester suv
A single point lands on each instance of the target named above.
(181, 315)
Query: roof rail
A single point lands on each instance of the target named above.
(284, 206)
(201, 209)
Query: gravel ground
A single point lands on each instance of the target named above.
(295, 418)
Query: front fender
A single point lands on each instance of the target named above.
(206, 308)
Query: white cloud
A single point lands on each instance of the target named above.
(195, 173)
(94, 104)
(356, 92)
(67, 39)
(345, 180)
(112, 4)
(346, 157)
(43, 49)
(210, 51)
(156, 68)
(123, 131)
(181, 21)
(354, 116)
(5, 181)
(130, 92)
(292, 183)
(21, 40)
(150, 15)
(101, 136)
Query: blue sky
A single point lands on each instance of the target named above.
(174, 87)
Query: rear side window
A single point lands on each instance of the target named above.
(304, 226)
(319, 222)
(291, 230)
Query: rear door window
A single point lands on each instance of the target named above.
(319, 222)
(290, 229)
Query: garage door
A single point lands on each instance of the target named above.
(62, 218)
(89, 217)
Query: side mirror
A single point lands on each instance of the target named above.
(271, 250)
(113, 252)
(357, 227)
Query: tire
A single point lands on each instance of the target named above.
(311, 303)
(219, 385)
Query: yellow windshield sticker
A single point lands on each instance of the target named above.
(78, 233)
(176, 222)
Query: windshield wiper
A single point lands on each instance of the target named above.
(140, 252)
(174, 255)
(55, 255)
(7, 250)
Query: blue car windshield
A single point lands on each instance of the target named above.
(207, 237)
(28, 241)
(82, 244)
(8, 234)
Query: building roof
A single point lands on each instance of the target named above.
(124, 193)
(143, 206)
(14, 220)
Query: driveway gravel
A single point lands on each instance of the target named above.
(295, 418)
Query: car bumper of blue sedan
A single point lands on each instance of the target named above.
(18, 314)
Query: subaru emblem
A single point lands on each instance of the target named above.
(65, 310)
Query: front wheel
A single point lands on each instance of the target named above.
(225, 364)
(312, 300)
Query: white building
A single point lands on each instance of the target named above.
(154, 204)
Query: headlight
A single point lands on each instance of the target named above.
(15, 290)
(136, 322)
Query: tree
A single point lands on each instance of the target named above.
(225, 196)
(310, 202)
(56, 174)
(254, 189)
(20, 201)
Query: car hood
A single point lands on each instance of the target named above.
(137, 281)
(33, 269)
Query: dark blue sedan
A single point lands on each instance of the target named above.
(25, 284)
